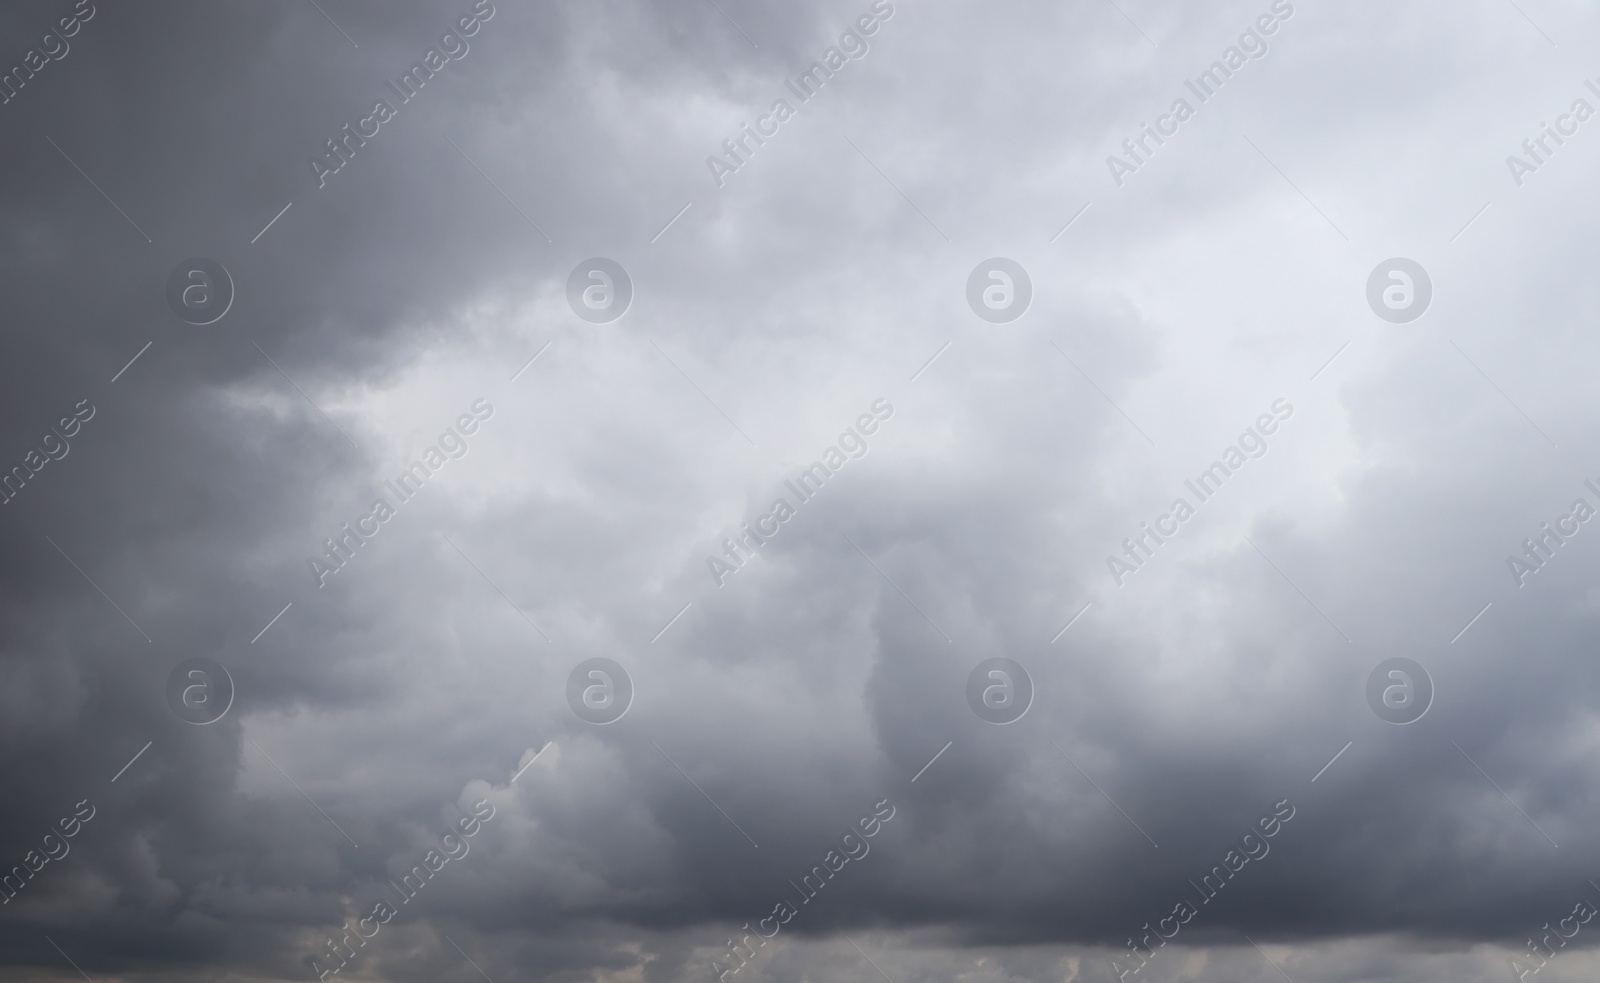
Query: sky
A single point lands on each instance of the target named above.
(790, 580)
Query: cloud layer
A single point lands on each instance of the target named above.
(828, 679)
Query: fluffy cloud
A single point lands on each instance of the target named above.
(768, 712)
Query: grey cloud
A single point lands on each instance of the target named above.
(825, 674)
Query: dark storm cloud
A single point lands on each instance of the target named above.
(784, 706)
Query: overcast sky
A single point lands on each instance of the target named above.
(1207, 697)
